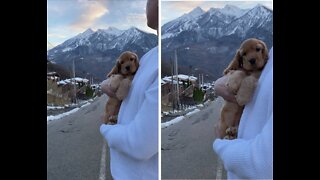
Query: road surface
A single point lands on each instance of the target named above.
(75, 148)
(187, 147)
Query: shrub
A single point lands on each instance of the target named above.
(198, 95)
(89, 92)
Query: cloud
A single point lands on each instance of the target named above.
(186, 6)
(137, 18)
(53, 35)
(90, 12)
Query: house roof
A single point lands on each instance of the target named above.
(180, 77)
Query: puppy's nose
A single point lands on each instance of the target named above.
(128, 68)
(252, 61)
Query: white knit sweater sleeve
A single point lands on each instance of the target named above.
(248, 159)
(138, 139)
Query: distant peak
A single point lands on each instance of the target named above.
(196, 10)
(260, 6)
(111, 31)
(85, 34)
(194, 13)
(134, 29)
(89, 30)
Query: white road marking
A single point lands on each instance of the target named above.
(102, 174)
(219, 169)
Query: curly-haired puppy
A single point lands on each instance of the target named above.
(243, 73)
(119, 79)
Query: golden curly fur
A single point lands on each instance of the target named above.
(242, 74)
(119, 79)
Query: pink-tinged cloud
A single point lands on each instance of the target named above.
(185, 6)
(92, 10)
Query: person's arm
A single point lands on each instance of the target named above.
(222, 90)
(105, 88)
(248, 159)
(138, 139)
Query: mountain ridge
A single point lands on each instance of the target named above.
(208, 42)
(95, 52)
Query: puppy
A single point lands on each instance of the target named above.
(119, 79)
(242, 77)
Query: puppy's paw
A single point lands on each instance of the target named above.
(232, 131)
(106, 119)
(230, 137)
(113, 120)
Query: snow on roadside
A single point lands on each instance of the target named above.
(54, 107)
(59, 116)
(173, 121)
(178, 119)
(192, 112)
(200, 105)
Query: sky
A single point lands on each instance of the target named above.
(173, 9)
(68, 18)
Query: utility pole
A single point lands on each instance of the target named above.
(202, 79)
(74, 81)
(176, 73)
(172, 85)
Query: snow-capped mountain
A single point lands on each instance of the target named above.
(96, 51)
(211, 37)
(232, 11)
(185, 22)
(259, 17)
(219, 22)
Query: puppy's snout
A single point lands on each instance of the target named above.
(128, 68)
(252, 61)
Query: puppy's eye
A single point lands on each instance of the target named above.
(258, 49)
(131, 59)
(244, 54)
(121, 62)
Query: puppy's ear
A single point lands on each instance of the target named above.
(115, 69)
(235, 64)
(265, 52)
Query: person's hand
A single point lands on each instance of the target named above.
(222, 90)
(107, 89)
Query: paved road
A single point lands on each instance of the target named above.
(75, 145)
(187, 146)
